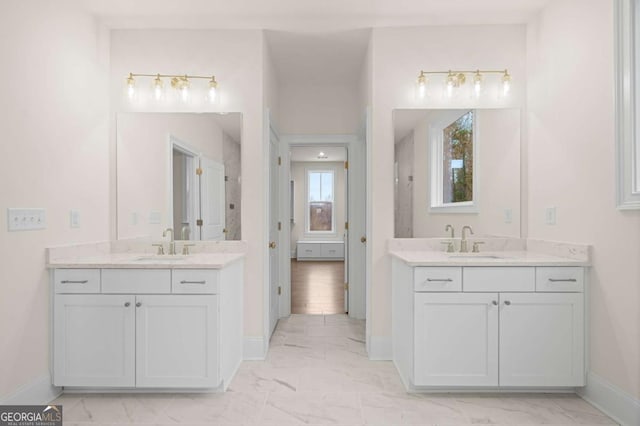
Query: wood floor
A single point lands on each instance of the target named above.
(317, 287)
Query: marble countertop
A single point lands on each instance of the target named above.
(495, 258)
(148, 261)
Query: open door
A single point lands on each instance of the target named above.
(212, 200)
(274, 199)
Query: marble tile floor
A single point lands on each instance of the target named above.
(317, 373)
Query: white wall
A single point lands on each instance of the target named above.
(142, 164)
(398, 56)
(54, 155)
(236, 58)
(571, 167)
(319, 108)
(299, 176)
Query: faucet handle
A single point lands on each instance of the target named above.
(476, 248)
(450, 248)
(185, 248)
(160, 248)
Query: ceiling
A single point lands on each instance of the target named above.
(310, 153)
(306, 15)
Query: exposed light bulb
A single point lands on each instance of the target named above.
(477, 84)
(213, 90)
(506, 83)
(131, 87)
(184, 89)
(451, 83)
(158, 91)
(422, 85)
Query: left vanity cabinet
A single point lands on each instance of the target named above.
(147, 328)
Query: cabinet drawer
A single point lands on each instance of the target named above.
(141, 281)
(567, 279)
(308, 250)
(497, 279)
(77, 280)
(437, 279)
(332, 250)
(202, 281)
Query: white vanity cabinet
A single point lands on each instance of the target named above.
(479, 334)
(148, 328)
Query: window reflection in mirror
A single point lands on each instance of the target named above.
(457, 158)
(179, 171)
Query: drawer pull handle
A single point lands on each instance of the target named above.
(192, 282)
(74, 281)
(443, 280)
(563, 280)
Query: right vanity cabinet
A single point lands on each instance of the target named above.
(488, 326)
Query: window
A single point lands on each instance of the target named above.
(627, 97)
(320, 191)
(452, 162)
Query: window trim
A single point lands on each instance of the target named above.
(627, 146)
(436, 146)
(307, 226)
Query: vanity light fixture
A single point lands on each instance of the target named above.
(454, 79)
(181, 83)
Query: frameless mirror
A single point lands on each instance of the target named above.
(179, 171)
(458, 167)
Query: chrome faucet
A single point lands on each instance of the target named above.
(172, 243)
(463, 241)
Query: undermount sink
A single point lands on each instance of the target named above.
(162, 258)
(474, 256)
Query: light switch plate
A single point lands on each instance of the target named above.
(508, 215)
(26, 219)
(74, 218)
(134, 218)
(550, 216)
(155, 217)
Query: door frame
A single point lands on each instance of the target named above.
(286, 142)
(175, 143)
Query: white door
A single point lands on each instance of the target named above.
(456, 339)
(177, 341)
(346, 235)
(541, 339)
(212, 200)
(274, 173)
(94, 340)
(357, 218)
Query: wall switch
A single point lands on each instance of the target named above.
(74, 218)
(508, 215)
(134, 218)
(550, 216)
(155, 218)
(26, 219)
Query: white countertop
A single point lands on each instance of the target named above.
(502, 258)
(148, 261)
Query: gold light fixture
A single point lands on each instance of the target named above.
(454, 79)
(181, 83)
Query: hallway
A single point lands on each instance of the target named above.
(317, 287)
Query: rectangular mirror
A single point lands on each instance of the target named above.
(458, 167)
(180, 171)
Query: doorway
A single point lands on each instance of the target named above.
(317, 229)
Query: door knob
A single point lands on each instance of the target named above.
(494, 303)
(127, 304)
(138, 304)
(363, 239)
(272, 244)
(506, 302)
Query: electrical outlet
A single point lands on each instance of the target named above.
(550, 216)
(508, 215)
(26, 219)
(155, 217)
(134, 218)
(74, 218)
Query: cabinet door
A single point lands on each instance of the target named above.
(541, 339)
(456, 339)
(94, 340)
(177, 341)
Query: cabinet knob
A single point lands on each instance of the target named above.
(138, 304)
(127, 304)
(494, 303)
(506, 302)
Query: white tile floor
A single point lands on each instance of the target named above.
(317, 373)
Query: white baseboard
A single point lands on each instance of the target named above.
(255, 348)
(39, 391)
(379, 348)
(611, 400)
